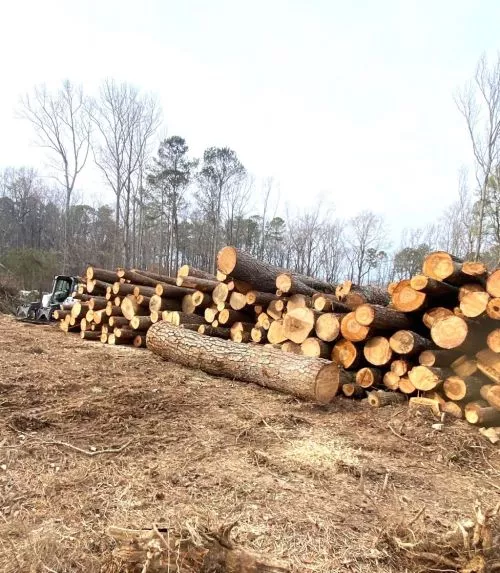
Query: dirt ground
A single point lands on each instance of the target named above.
(325, 488)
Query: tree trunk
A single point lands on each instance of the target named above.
(118, 321)
(352, 330)
(177, 318)
(196, 283)
(275, 309)
(347, 354)
(438, 357)
(354, 295)
(157, 303)
(298, 324)
(432, 286)
(381, 317)
(460, 388)
(188, 271)
(308, 378)
(449, 332)
(100, 274)
(377, 351)
(122, 288)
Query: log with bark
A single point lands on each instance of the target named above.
(408, 343)
(347, 354)
(367, 377)
(459, 388)
(382, 318)
(298, 324)
(380, 398)
(354, 295)
(377, 351)
(309, 378)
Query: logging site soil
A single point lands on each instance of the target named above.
(94, 436)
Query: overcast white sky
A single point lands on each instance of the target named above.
(351, 101)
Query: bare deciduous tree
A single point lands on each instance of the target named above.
(479, 103)
(62, 125)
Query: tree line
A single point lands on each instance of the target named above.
(172, 208)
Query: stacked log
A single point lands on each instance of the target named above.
(432, 338)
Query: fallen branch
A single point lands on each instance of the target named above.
(89, 452)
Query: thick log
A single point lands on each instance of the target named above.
(480, 412)
(406, 386)
(237, 301)
(409, 343)
(119, 288)
(277, 332)
(98, 287)
(407, 299)
(130, 308)
(298, 324)
(242, 266)
(425, 378)
(493, 284)
(438, 357)
(354, 295)
(158, 303)
(462, 388)
(400, 367)
(377, 351)
(493, 340)
(353, 391)
(382, 318)
(188, 271)
(308, 378)
(104, 275)
(442, 266)
(391, 380)
(140, 322)
(327, 326)
(228, 316)
(79, 309)
(347, 354)
(381, 398)
(289, 346)
(433, 314)
(368, 377)
(352, 330)
(312, 346)
(475, 303)
(197, 283)
(449, 332)
(432, 286)
(218, 332)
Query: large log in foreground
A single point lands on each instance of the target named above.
(310, 378)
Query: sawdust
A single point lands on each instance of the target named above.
(93, 436)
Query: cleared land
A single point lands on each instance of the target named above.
(334, 488)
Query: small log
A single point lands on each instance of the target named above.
(377, 351)
(228, 316)
(425, 378)
(240, 336)
(90, 335)
(97, 303)
(436, 313)
(367, 377)
(467, 289)
(119, 288)
(298, 324)
(277, 332)
(275, 309)
(484, 390)
(312, 346)
(493, 340)
(474, 304)
(246, 326)
(346, 354)
(459, 388)
(432, 286)
(258, 334)
(104, 337)
(140, 322)
(263, 298)
(354, 295)
(159, 278)
(210, 314)
(286, 283)
(327, 326)
(353, 391)
(438, 357)
(187, 304)
(113, 340)
(220, 293)
(449, 332)
(493, 308)
(201, 299)
(352, 330)
(493, 284)
(480, 412)
(409, 343)
(139, 341)
(293, 347)
(264, 321)
(400, 367)
(130, 308)
(381, 398)
(197, 283)
(124, 334)
(218, 332)
(237, 301)
(381, 317)
(100, 316)
(164, 290)
(155, 316)
(143, 300)
(323, 302)
(475, 269)
(134, 277)
(118, 321)
(158, 303)
(452, 409)
(391, 380)
(406, 386)
(189, 271)
(177, 318)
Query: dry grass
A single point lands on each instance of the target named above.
(325, 488)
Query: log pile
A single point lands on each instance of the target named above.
(433, 338)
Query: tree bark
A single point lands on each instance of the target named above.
(382, 318)
(157, 303)
(197, 283)
(188, 271)
(228, 316)
(432, 286)
(308, 378)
